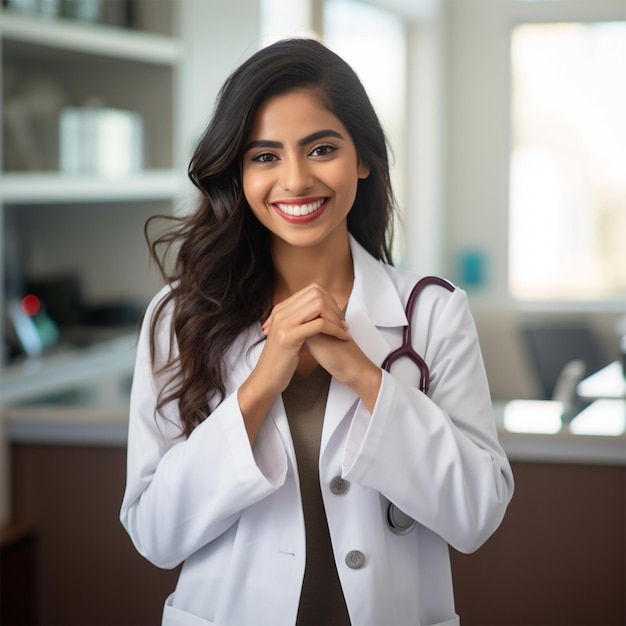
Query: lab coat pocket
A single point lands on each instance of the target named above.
(177, 617)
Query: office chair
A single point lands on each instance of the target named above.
(562, 354)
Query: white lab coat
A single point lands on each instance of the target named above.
(233, 514)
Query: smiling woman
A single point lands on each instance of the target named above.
(268, 450)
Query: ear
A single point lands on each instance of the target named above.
(363, 169)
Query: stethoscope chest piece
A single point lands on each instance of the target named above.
(398, 521)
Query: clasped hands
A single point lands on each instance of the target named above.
(307, 325)
(310, 325)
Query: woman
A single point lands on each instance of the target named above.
(269, 452)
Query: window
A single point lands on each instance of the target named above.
(567, 229)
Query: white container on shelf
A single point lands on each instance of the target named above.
(101, 141)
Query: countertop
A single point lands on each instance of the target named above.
(572, 443)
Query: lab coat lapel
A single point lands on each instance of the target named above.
(374, 304)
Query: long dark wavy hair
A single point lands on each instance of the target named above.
(222, 277)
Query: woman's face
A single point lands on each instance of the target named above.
(300, 170)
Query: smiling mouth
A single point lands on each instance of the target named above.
(300, 210)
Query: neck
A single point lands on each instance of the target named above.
(329, 265)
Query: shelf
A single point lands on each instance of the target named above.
(102, 40)
(51, 188)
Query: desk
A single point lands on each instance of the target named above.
(531, 431)
(609, 382)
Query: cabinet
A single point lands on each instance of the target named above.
(85, 228)
(558, 557)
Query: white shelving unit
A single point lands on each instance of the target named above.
(132, 69)
(84, 38)
(169, 70)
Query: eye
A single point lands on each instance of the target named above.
(322, 150)
(265, 157)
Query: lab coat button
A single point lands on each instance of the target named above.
(355, 559)
(338, 485)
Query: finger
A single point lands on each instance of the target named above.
(311, 304)
(321, 326)
(311, 293)
(267, 325)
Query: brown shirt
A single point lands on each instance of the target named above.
(321, 602)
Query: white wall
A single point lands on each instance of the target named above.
(477, 137)
(424, 147)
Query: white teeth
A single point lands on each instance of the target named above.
(300, 209)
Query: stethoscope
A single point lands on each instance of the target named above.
(399, 522)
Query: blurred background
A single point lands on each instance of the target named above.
(508, 135)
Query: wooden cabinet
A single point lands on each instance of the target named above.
(18, 572)
(557, 559)
(86, 569)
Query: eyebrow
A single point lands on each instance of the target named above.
(320, 134)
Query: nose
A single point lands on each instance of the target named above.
(296, 176)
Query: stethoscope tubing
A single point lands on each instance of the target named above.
(406, 348)
(397, 521)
